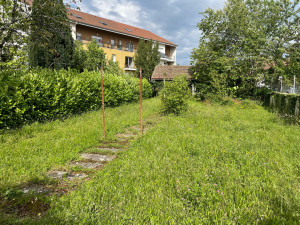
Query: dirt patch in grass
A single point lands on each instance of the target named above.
(25, 207)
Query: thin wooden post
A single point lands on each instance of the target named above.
(141, 101)
(103, 115)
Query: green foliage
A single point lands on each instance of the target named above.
(113, 68)
(43, 94)
(51, 42)
(174, 96)
(95, 57)
(216, 165)
(239, 40)
(13, 19)
(147, 57)
(80, 56)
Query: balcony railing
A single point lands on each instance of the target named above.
(164, 56)
(117, 47)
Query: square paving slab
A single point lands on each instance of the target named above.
(87, 165)
(98, 157)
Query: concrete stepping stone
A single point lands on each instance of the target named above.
(98, 157)
(63, 174)
(76, 175)
(135, 128)
(125, 135)
(87, 165)
(36, 189)
(111, 149)
(57, 174)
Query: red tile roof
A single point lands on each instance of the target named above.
(113, 26)
(169, 72)
(99, 22)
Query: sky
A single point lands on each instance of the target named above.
(174, 20)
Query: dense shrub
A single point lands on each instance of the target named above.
(174, 96)
(43, 94)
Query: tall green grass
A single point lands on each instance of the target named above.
(234, 164)
(214, 165)
(28, 153)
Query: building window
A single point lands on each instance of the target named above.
(98, 40)
(78, 36)
(120, 45)
(129, 62)
(113, 58)
(112, 43)
(129, 47)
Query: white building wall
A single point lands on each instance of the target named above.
(173, 54)
(162, 48)
(73, 29)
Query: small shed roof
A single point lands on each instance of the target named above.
(169, 72)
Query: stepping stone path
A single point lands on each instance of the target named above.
(98, 157)
(69, 176)
(37, 189)
(96, 160)
(111, 149)
(125, 137)
(89, 161)
(87, 165)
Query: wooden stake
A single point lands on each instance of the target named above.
(141, 101)
(103, 115)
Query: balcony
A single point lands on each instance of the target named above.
(166, 58)
(129, 69)
(117, 47)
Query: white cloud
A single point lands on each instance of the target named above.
(119, 10)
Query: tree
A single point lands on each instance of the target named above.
(147, 57)
(14, 22)
(113, 68)
(174, 96)
(95, 57)
(51, 42)
(239, 40)
(79, 57)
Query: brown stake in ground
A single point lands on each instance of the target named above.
(103, 115)
(141, 101)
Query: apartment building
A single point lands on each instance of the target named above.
(119, 41)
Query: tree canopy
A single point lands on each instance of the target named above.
(146, 57)
(51, 43)
(14, 21)
(239, 41)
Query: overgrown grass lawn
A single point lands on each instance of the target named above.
(28, 153)
(235, 164)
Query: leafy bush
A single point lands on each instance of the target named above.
(95, 57)
(174, 96)
(43, 94)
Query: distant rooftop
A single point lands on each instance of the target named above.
(169, 72)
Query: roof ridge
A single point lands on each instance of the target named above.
(113, 20)
(119, 26)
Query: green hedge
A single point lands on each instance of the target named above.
(43, 94)
(283, 103)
